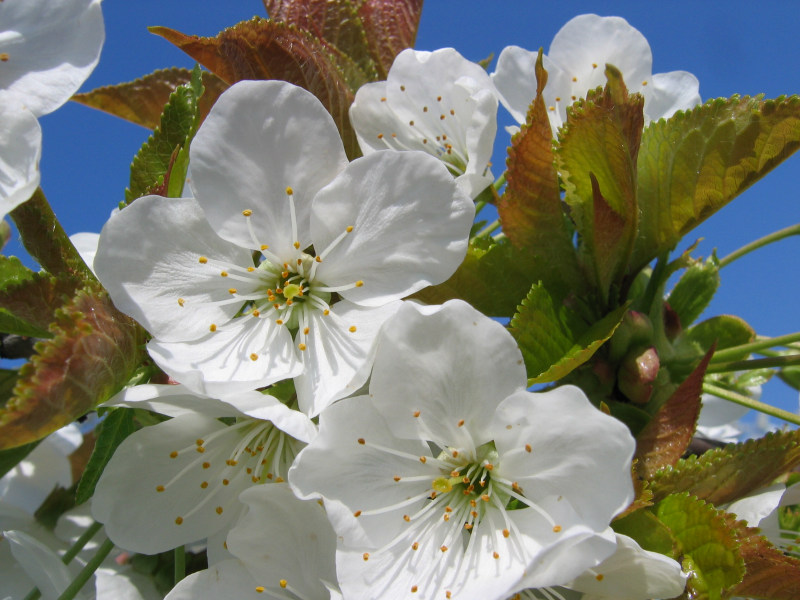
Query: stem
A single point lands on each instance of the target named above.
(759, 344)
(500, 181)
(756, 363)
(87, 571)
(710, 388)
(180, 563)
(479, 206)
(494, 225)
(34, 594)
(759, 243)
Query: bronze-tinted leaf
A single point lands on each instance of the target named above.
(264, 49)
(142, 101)
(391, 27)
(35, 300)
(769, 572)
(723, 475)
(667, 436)
(93, 353)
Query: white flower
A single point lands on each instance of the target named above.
(270, 178)
(576, 63)
(762, 509)
(283, 547)
(47, 50)
(451, 480)
(178, 481)
(438, 102)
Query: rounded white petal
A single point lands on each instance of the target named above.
(339, 354)
(515, 80)
(50, 49)
(454, 366)
(479, 136)
(20, 151)
(576, 452)
(370, 116)
(221, 363)
(300, 546)
(632, 573)
(669, 93)
(227, 579)
(86, 245)
(410, 226)
(40, 563)
(148, 259)
(758, 505)
(260, 138)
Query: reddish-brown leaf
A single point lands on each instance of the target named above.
(265, 49)
(93, 353)
(143, 100)
(665, 438)
(391, 27)
(769, 572)
(35, 300)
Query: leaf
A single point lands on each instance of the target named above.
(694, 290)
(530, 208)
(142, 101)
(769, 572)
(155, 159)
(554, 339)
(697, 161)
(707, 542)
(391, 27)
(726, 331)
(11, 458)
(117, 425)
(667, 436)
(597, 161)
(93, 353)
(650, 533)
(723, 475)
(338, 23)
(264, 49)
(32, 302)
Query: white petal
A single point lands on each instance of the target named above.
(86, 245)
(370, 116)
(299, 549)
(339, 354)
(632, 573)
(148, 260)
(479, 139)
(515, 80)
(454, 366)
(138, 517)
(228, 579)
(576, 452)
(20, 151)
(40, 563)
(758, 505)
(671, 92)
(260, 138)
(221, 363)
(52, 48)
(115, 586)
(410, 226)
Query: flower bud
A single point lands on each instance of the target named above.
(637, 374)
(635, 330)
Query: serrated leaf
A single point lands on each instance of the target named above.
(723, 475)
(154, 161)
(391, 27)
(694, 163)
(336, 22)
(597, 157)
(32, 302)
(726, 331)
(93, 353)
(142, 101)
(553, 338)
(694, 291)
(668, 434)
(708, 544)
(117, 425)
(530, 208)
(264, 49)
(648, 531)
(769, 572)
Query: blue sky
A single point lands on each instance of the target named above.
(741, 49)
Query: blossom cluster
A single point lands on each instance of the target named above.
(322, 433)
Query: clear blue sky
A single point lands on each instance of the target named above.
(745, 48)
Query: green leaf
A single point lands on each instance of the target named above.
(597, 161)
(27, 304)
(142, 101)
(726, 331)
(553, 338)
(156, 158)
(694, 290)
(117, 425)
(708, 544)
(530, 208)
(723, 475)
(650, 533)
(93, 353)
(10, 458)
(694, 163)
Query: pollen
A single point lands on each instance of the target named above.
(599, 577)
(223, 273)
(159, 488)
(413, 589)
(202, 260)
(173, 454)
(359, 283)
(396, 478)
(365, 556)
(349, 229)
(260, 589)
(528, 448)
(406, 518)
(212, 327)
(496, 555)
(296, 245)
(461, 422)
(255, 313)
(178, 520)
(402, 88)
(352, 329)
(416, 413)
(283, 583)
(225, 482)
(644, 83)
(411, 123)
(302, 347)
(247, 212)
(380, 136)
(218, 510)
(574, 79)
(264, 247)
(232, 290)
(594, 65)
(415, 546)
(254, 356)
(4, 56)
(362, 441)
(357, 514)
(279, 321)
(200, 449)
(423, 460)
(206, 465)
(556, 528)
(443, 548)
(204, 485)
(506, 533)
(289, 190)
(181, 301)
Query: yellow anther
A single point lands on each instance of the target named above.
(416, 413)
(264, 247)
(380, 136)
(256, 313)
(359, 283)
(219, 510)
(279, 321)
(326, 312)
(556, 528)
(352, 329)
(305, 330)
(461, 422)
(365, 556)
(260, 589)
(232, 290)
(223, 273)
(247, 212)
(506, 533)
(443, 548)
(423, 460)
(406, 518)
(204, 485)
(254, 356)
(411, 123)
(644, 83)
(206, 465)
(396, 478)
(599, 577)
(212, 327)
(318, 258)
(414, 546)
(289, 190)
(181, 301)
(413, 589)
(424, 109)
(496, 555)
(173, 454)
(283, 583)
(159, 488)
(528, 448)
(383, 99)
(357, 514)
(250, 269)
(574, 79)
(178, 520)
(200, 449)
(296, 245)
(302, 347)
(4, 56)
(225, 481)
(402, 88)
(202, 260)
(594, 65)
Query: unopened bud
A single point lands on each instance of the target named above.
(636, 330)
(637, 374)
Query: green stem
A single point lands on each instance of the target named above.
(180, 563)
(34, 594)
(759, 344)
(500, 181)
(759, 243)
(756, 363)
(710, 388)
(87, 571)
(479, 206)
(494, 225)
